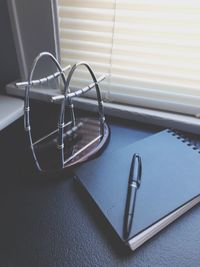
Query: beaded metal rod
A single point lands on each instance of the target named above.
(80, 91)
(42, 80)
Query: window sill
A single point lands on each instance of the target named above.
(161, 118)
(11, 109)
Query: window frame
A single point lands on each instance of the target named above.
(24, 29)
(26, 54)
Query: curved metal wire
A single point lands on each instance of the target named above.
(66, 99)
(27, 125)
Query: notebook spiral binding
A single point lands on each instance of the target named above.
(184, 138)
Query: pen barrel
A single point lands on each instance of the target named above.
(129, 210)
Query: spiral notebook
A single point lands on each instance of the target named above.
(170, 184)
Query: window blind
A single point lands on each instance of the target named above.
(150, 49)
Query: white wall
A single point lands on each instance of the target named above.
(9, 70)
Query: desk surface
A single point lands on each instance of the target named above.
(53, 223)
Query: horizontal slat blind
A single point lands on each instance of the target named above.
(150, 49)
(86, 34)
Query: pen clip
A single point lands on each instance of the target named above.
(136, 179)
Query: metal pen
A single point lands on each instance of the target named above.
(133, 185)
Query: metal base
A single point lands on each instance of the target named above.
(79, 146)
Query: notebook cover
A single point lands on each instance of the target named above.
(170, 178)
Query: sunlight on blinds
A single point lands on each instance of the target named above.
(150, 49)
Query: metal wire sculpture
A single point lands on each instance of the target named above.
(74, 141)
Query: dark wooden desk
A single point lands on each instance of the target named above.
(53, 223)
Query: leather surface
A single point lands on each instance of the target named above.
(53, 223)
